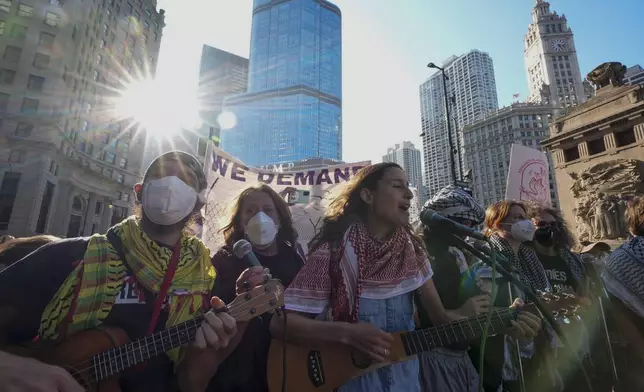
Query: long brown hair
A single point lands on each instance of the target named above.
(565, 239)
(234, 232)
(498, 211)
(348, 207)
(17, 248)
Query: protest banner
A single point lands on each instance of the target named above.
(528, 176)
(228, 177)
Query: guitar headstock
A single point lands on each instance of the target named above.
(562, 303)
(255, 302)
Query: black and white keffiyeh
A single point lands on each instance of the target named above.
(454, 202)
(623, 274)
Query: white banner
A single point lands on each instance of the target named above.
(528, 176)
(228, 177)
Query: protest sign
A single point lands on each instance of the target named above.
(528, 176)
(228, 177)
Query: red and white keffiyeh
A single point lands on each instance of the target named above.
(362, 266)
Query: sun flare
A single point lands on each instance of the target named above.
(162, 110)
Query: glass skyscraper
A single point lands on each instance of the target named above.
(293, 107)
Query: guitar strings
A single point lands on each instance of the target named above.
(91, 365)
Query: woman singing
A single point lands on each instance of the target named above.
(363, 268)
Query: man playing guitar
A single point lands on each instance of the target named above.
(145, 275)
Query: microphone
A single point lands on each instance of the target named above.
(244, 250)
(432, 218)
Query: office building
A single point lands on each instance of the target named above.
(67, 166)
(293, 108)
(487, 144)
(634, 75)
(221, 74)
(471, 93)
(551, 60)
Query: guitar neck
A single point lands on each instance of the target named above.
(458, 331)
(109, 363)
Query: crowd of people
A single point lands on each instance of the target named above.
(368, 273)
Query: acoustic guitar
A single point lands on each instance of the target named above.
(96, 357)
(328, 367)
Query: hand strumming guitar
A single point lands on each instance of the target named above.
(476, 305)
(369, 339)
(19, 374)
(526, 326)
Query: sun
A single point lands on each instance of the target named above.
(160, 109)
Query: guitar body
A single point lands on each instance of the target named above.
(79, 349)
(322, 370)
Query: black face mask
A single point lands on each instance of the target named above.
(545, 236)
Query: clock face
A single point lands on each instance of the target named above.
(558, 45)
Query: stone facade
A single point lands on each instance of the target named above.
(67, 167)
(598, 153)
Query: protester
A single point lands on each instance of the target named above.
(261, 216)
(17, 248)
(594, 252)
(81, 283)
(509, 229)
(366, 229)
(622, 276)
(450, 369)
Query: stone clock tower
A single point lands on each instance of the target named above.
(551, 60)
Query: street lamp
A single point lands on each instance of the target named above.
(448, 122)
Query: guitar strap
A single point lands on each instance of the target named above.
(165, 285)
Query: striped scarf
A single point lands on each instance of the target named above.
(86, 297)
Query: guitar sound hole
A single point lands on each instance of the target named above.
(360, 360)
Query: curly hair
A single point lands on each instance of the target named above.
(565, 239)
(234, 232)
(348, 207)
(635, 216)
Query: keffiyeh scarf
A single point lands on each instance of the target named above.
(335, 277)
(623, 274)
(454, 202)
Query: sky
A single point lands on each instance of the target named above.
(387, 45)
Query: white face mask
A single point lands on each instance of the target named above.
(261, 230)
(523, 230)
(168, 200)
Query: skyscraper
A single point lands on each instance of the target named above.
(634, 75)
(551, 60)
(293, 108)
(471, 90)
(221, 74)
(407, 156)
(67, 167)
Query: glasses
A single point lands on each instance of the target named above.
(547, 224)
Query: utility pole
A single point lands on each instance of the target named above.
(448, 121)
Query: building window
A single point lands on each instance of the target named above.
(24, 129)
(85, 126)
(2, 24)
(8, 193)
(110, 157)
(46, 39)
(625, 137)
(120, 178)
(73, 230)
(29, 105)
(5, 5)
(108, 172)
(126, 197)
(596, 146)
(35, 83)
(571, 154)
(98, 209)
(17, 31)
(41, 61)
(7, 76)
(12, 54)
(52, 19)
(44, 208)
(25, 11)
(95, 75)
(17, 156)
(123, 163)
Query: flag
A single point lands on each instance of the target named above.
(517, 95)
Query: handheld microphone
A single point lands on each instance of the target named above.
(431, 218)
(243, 250)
